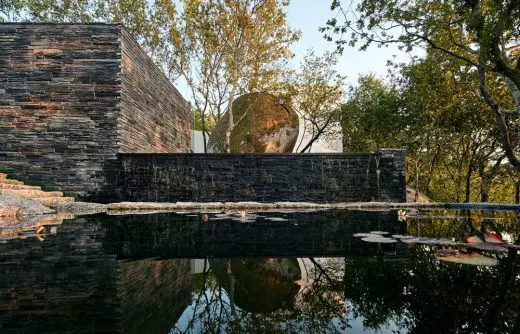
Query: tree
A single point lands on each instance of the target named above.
(232, 47)
(430, 109)
(10, 10)
(150, 22)
(316, 93)
(370, 117)
(483, 34)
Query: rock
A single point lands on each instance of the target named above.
(18, 186)
(81, 208)
(26, 206)
(9, 210)
(53, 201)
(29, 193)
(269, 125)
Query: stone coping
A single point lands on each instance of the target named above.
(136, 206)
(253, 154)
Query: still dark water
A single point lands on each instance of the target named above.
(276, 272)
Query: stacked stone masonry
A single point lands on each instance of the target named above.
(319, 178)
(72, 96)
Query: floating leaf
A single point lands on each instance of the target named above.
(420, 240)
(380, 240)
(471, 258)
(488, 246)
(276, 219)
(474, 240)
(399, 236)
(446, 242)
(360, 235)
(493, 237)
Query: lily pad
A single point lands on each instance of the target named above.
(488, 246)
(380, 240)
(472, 258)
(276, 219)
(378, 232)
(493, 237)
(362, 235)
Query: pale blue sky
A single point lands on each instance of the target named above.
(309, 15)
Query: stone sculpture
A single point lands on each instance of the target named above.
(263, 123)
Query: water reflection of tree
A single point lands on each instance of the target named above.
(315, 308)
(427, 296)
(463, 224)
(419, 294)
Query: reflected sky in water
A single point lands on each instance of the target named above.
(258, 272)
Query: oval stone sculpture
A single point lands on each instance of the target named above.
(263, 124)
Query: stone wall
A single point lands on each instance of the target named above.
(67, 283)
(68, 105)
(317, 178)
(154, 115)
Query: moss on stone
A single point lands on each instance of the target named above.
(257, 117)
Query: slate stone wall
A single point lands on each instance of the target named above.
(154, 115)
(68, 105)
(261, 177)
(69, 284)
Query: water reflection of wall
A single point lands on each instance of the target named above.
(318, 233)
(152, 294)
(67, 283)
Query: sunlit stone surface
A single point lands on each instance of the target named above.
(262, 123)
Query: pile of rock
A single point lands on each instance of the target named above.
(17, 189)
(25, 211)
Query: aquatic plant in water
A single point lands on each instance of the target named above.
(491, 242)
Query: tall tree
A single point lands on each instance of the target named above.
(232, 47)
(316, 92)
(10, 10)
(482, 33)
(370, 117)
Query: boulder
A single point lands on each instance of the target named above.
(263, 123)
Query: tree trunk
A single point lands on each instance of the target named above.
(517, 192)
(484, 189)
(468, 183)
(204, 134)
(416, 197)
(502, 125)
(231, 124)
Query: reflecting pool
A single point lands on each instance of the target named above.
(264, 272)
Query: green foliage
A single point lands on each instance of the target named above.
(229, 48)
(316, 91)
(370, 117)
(482, 36)
(209, 125)
(10, 10)
(430, 109)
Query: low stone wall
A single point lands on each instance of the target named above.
(319, 178)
